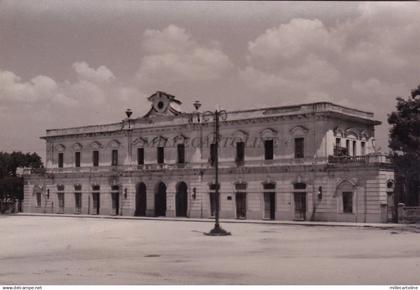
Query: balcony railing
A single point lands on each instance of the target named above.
(364, 159)
(353, 160)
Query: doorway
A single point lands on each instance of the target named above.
(96, 202)
(390, 207)
(213, 200)
(300, 206)
(181, 199)
(160, 199)
(240, 198)
(115, 203)
(269, 205)
(140, 200)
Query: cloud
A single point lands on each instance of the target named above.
(173, 56)
(85, 72)
(375, 51)
(290, 41)
(40, 89)
(93, 87)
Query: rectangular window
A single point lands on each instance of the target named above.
(363, 148)
(77, 159)
(95, 158)
(181, 153)
(337, 147)
(268, 149)
(140, 156)
(60, 160)
(338, 142)
(299, 147)
(213, 154)
(114, 157)
(240, 151)
(348, 202)
(354, 148)
(160, 155)
(348, 147)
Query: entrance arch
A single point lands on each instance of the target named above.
(181, 199)
(160, 199)
(140, 200)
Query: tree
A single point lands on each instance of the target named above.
(11, 185)
(405, 145)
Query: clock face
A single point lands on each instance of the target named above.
(161, 104)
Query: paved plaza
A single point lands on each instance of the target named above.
(65, 250)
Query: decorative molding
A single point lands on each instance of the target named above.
(114, 144)
(299, 131)
(37, 189)
(180, 139)
(60, 148)
(95, 145)
(77, 146)
(352, 181)
(160, 141)
(268, 133)
(139, 141)
(338, 132)
(349, 132)
(240, 135)
(269, 180)
(341, 182)
(364, 135)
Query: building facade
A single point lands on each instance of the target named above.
(305, 162)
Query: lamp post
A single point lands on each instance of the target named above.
(216, 115)
(128, 113)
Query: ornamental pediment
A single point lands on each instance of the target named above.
(299, 130)
(181, 138)
(140, 141)
(114, 144)
(240, 135)
(163, 105)
(268, 133)
(60, 148)
(77, 146)
(95, 145)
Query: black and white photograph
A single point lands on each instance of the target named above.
(209, 143)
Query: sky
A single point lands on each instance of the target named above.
(75, 63)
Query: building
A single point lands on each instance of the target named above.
(306, 162)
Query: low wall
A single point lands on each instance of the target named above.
(408, 214)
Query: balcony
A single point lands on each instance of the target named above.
(372, 159)
(360, 160)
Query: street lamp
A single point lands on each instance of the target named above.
(128, 113)
(216, 115)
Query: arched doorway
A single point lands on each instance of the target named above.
(160, 199)
(181, 199)
(140, 199)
